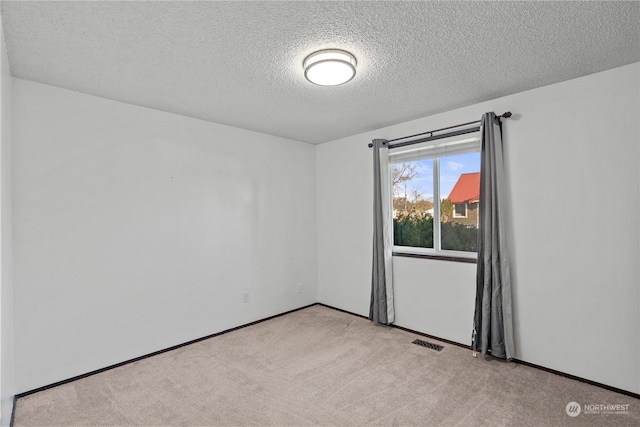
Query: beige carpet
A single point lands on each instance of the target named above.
(319, 366)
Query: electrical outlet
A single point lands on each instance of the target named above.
(299, 288)
(245, 297)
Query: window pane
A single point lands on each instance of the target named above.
(413, 203)
(460, 193)
(459, 210)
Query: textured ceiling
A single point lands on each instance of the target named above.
(240, 63)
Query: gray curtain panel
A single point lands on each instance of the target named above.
(381, 308)
(493, 319)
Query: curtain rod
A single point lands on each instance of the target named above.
(431, 132)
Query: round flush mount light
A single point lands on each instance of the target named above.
(329, 67)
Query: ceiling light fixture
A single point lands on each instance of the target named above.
(329, 67)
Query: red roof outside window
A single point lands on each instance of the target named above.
(467, 189)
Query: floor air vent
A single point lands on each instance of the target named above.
(432, 346)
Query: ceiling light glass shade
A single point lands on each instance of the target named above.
(330, 67)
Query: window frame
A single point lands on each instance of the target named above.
(466, 213)
(397, 157)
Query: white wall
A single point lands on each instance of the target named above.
(572, 158)
(136, 230)
(7, 385)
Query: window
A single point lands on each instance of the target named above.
(446, 171)
(460, 210)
